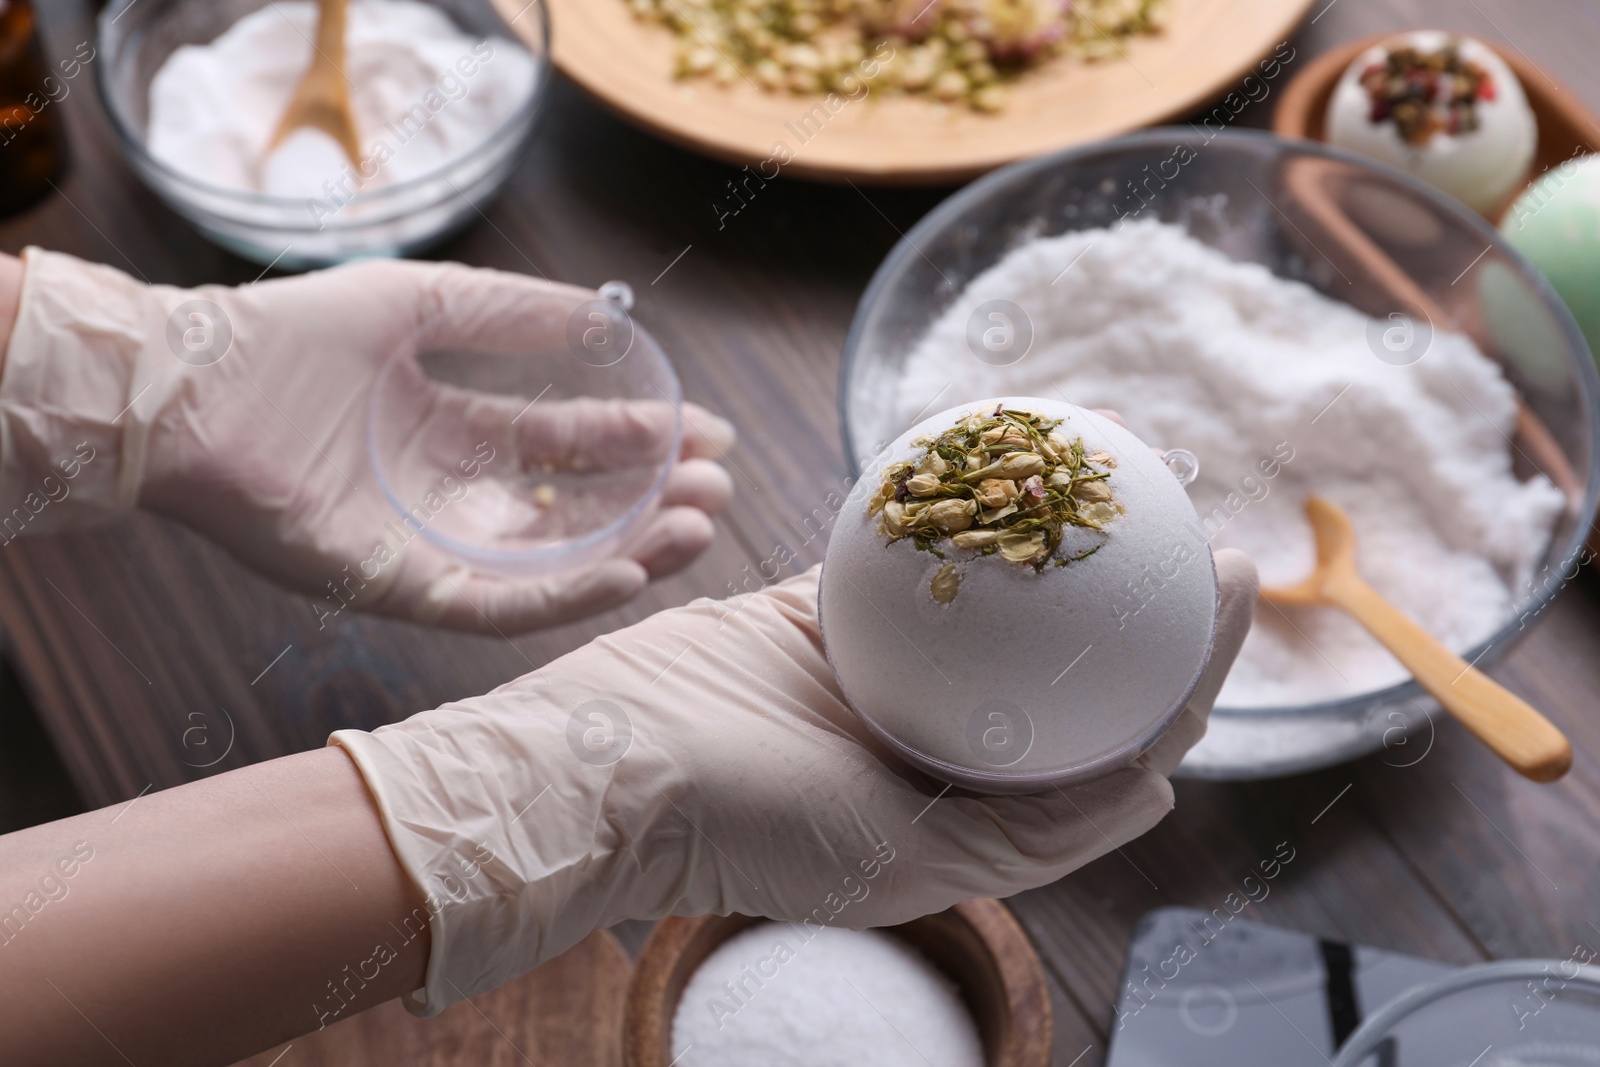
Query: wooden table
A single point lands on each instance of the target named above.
(128, 637)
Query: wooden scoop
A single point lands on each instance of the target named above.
(1514, 730)
(322, 99)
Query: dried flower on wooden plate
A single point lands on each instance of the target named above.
(1000, 484)
(951, 50)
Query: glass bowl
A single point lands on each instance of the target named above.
(135, 37)
(490, 455)
(1240, 191)
(1515, 1013)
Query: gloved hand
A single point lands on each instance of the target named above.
(704, 761)
(242, 413)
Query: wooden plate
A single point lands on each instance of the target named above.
(567, 1013)
(978, 944)
(1207, 49)
(1566, 127)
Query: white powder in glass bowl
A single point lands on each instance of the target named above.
(1277, 390)
(779, 996)
(423, 95)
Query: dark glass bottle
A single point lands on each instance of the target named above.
(32, 149)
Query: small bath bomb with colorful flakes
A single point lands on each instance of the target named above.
(1442, 107)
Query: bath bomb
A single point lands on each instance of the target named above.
(990, 650)
(1556, 224)
(1442, 107)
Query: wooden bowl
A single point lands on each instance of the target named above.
(979, 945)
(627, 64)
(1566, 127)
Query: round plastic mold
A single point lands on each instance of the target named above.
(559, 460)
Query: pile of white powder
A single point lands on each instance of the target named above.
(423, 95)
(786, 996)
(1258, 374)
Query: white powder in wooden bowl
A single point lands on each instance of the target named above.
(781, 995)
(1278, 391)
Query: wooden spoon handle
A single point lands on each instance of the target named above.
(331, 19)
(1517, 733)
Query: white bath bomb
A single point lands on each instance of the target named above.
(1028, 677)
(1480, 162)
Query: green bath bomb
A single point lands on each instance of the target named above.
(1556, 224)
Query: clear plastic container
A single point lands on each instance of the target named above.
(1515, 1013)
(537, 461)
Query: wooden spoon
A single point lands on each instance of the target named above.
(1511, 728)
(322, 99)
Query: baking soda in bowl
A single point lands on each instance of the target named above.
(423, 96)
(977, 598)
(774, 997)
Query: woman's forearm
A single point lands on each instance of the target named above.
(204, 923)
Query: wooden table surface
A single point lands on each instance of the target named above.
(129, 637)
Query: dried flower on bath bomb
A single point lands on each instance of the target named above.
(1000, 484)
(950, 516)
(945, 583)
(996, 492)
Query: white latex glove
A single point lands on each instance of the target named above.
(263, 450)
(731, 777)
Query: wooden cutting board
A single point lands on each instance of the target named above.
(567, 1013)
